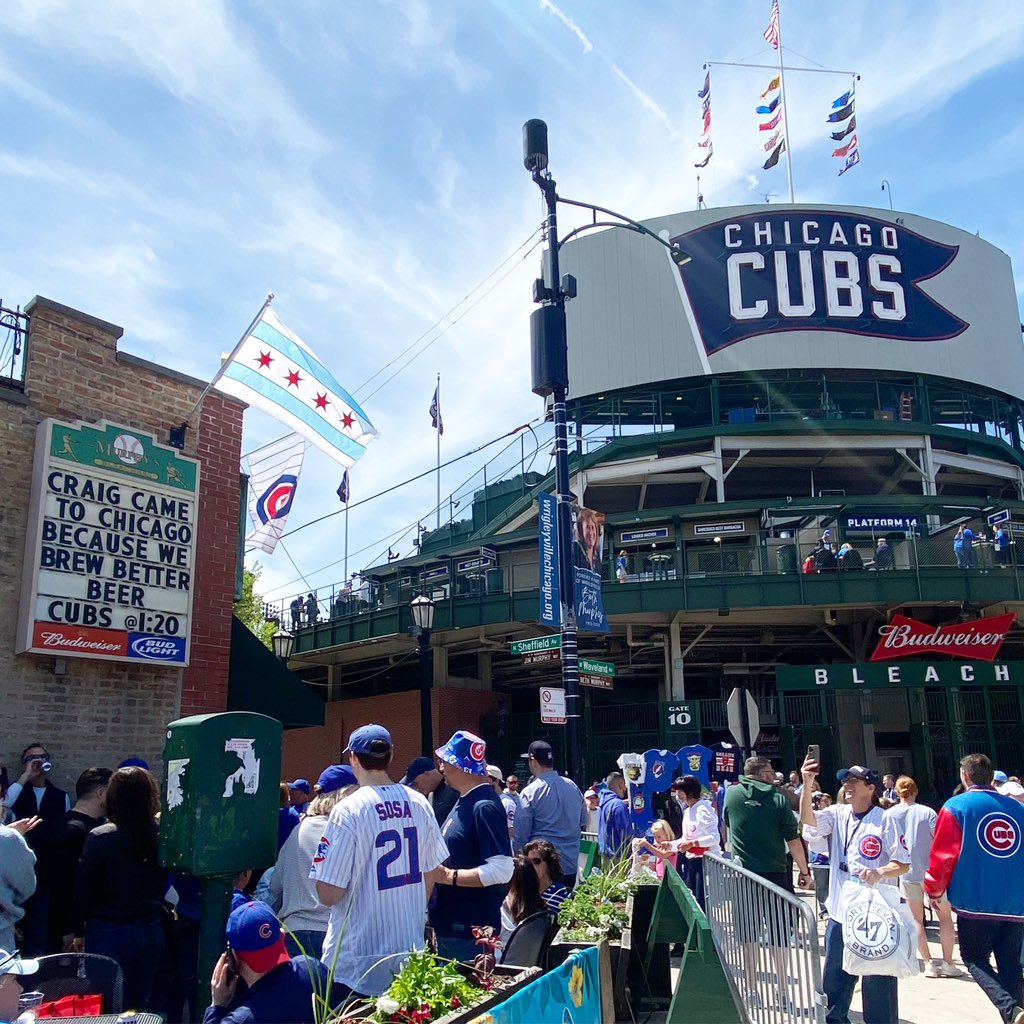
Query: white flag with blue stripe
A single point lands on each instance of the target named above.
(273, 480)
(274, 370)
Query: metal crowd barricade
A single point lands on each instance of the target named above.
(767, 941)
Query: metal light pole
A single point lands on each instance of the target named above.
(423, 619)
(550, 363)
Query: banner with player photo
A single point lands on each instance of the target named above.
(588, 556)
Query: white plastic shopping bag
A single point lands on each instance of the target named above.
(879, 934)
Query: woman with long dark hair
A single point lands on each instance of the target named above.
(523, 898)
(120, 885)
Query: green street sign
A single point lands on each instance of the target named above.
(537, 643)
(681, 716)
(596, 668)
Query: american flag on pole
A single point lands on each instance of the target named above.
(771, 33)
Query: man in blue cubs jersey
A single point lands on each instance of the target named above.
(977, 861)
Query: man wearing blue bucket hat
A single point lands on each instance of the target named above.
(473, 880)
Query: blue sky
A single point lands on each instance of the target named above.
(166, 164)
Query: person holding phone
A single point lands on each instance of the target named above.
(278, 988)
(863, 844)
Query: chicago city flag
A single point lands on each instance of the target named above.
(273, 478)
(274, 370)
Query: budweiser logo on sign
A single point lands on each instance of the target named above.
(79, 639)
(980, 639)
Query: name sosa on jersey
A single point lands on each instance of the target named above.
(841, 273)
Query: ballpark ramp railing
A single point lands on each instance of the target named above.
(767, 941)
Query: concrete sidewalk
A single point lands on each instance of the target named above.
(922, 1000)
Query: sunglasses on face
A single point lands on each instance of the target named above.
(535, 860)
(35, 757)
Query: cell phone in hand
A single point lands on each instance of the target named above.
(814, 753)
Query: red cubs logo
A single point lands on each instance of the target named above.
(871, 847)
(266, 931)
(321, 850)
(998, 835)
(477, 750)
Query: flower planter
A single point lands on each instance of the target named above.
(517, 977)
(655, 983)
(619, 950)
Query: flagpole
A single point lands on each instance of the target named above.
(439, 421)
(785, 113)
(346, 542)
(227, 362)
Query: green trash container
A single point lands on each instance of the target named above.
(219, 811)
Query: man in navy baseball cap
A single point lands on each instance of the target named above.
(370, 739)
(856, 771)
(278, 988)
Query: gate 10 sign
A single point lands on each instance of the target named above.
(110, 548)
(681, 717)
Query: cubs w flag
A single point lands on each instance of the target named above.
(273, 478)
(274, 370)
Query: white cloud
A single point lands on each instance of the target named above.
(196, 53)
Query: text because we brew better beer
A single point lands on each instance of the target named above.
(127, 543)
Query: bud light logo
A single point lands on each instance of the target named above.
(871, 847)
(156, 648)
(761, 274)
(998, 835)
(276, 501)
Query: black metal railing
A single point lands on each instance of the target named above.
(13, 347)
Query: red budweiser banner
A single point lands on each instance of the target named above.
(979, 640)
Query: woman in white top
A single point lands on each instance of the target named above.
(292, 892)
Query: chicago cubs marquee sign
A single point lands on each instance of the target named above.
(814, 271)
(111, 544)
(777, 287)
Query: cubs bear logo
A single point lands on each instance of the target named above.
(478, 750)
(321, 850)
(998, 835)
(871, 847)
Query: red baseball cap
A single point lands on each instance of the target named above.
(255, 936)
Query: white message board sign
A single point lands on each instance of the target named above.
(110, 547)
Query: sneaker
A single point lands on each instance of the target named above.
(951, 971)
(932, 970)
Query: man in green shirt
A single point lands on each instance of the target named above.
(761, 826)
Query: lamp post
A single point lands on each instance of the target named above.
(550, 364)
(282, 641)
(423, 620)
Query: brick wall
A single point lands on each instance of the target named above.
(308, 751)
(100, 712)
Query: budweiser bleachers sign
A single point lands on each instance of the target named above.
(979, 639)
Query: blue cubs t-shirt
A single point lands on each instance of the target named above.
(476, 828)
